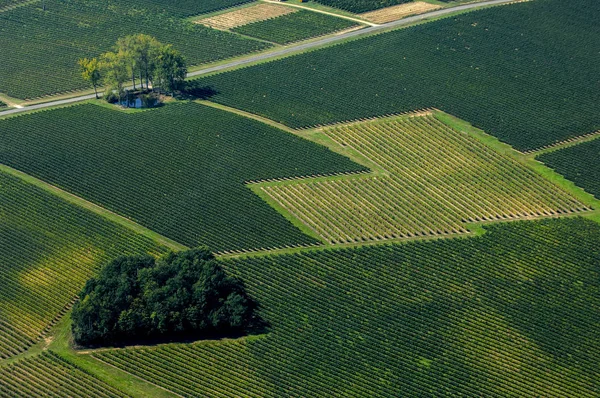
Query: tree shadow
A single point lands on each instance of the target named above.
(193, 90)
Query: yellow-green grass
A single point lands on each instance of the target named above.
(48, 249)
(436, 179)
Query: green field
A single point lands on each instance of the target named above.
(182, 8)
(48, 375)
(358, 6)
(579, 163)
(179, 170)
(435, 180)
(40, 49)
(48, 250)
(521, 72)
(512, 313)
(296, 26)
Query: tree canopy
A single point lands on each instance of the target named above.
(185, 295)
(136, 57)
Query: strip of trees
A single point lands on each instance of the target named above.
(139, 59)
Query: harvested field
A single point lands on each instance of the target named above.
(400, 11)
(436, 179)
(244, 16)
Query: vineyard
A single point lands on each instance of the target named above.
(49, 375)
(512, 313)
(358, 6)
(179, 170)
(246, 15)
(438, 180)
(296, 26)
(40, 49)
(182, 8)
(521, 73)
(579, 164)
(48, 249)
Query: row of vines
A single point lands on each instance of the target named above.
(512, 313)
(48, 249)
(438, 180)
(520, 72)
(179, 170)
(40, 48)
(49, 375)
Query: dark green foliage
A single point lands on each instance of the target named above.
(3, 105)
(179, 170)
(296, 26)
(525, 73)
(40, 49)
(358, 6)
(184, 294)
(579, 163)
(48, 249)
(514, 313)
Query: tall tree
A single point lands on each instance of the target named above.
(170, 68)
(114, 65)
(90, 71)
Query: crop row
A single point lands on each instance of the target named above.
(295, 26)
(49, 375)
(438, 180)
(40, 48)
(48, 249)
(520, 72)
(182, 8)
(512, 313)
(179, 170)
(579, 164)
(358, 6)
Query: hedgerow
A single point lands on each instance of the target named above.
(296, 26)
(48, 249)
(179, 170)
(438, 180)
(579, 164)
(521, 72)
(511, 314)
(40, 49)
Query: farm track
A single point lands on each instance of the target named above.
(289, 50)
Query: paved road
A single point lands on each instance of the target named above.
(291, 49)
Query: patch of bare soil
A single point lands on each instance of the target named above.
(394, 13)
(246, 15)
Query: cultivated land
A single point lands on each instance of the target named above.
(179, 170)
(520, 72)
(48, 250)
(359, 6)
(400, 11)
(579, 163)
(293, 27)
(49, 375)
(40, 48)
(246, 15)
(451, 317)
(432, 180)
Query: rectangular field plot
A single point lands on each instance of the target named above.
(179, 170)
(510, 314)
(48, 249)
(293, 27)
(49, 375)
(246, 15)
(520, 72)
(400, 11)
(436, 180)
(358, 6)
(579, 163)
(40, 48)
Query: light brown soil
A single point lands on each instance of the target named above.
(246, 15)
(394, 13)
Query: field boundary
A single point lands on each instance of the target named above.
(94, 208)
(333, 14)
(573, 141)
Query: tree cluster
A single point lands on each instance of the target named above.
(185, 295)
(136, 57)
